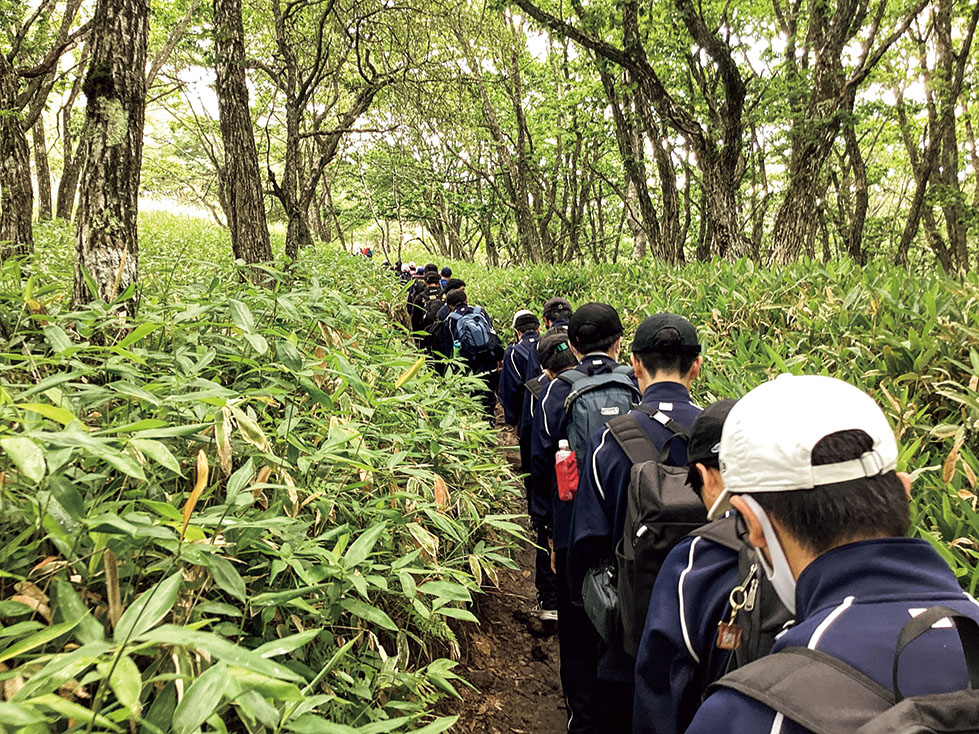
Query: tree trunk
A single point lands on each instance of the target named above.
(68, 184)
(16, 192)
(106, 245)
(241, 183)
(43, 172)
(854, 237)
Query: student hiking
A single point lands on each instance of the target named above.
(556, 356)
(682, 650)
(424, 309)
(520, 363)
(809, 462)
(666, 360)
(595, 333)
(468, 334)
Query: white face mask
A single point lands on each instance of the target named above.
(781, 575)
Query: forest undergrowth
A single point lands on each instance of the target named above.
(253, 509)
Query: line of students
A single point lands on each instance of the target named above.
(800, 481)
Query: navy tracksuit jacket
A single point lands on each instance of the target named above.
(852, 603)
(520, 364)
(604, 471)
(677, 657)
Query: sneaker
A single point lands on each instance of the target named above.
(544, 615)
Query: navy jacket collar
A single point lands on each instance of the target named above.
(533, 334)
(665, 392)
(874, 570)
(604, 363)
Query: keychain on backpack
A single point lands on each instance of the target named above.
(728, 633)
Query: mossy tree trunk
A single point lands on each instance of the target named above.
(106, 245)
(42, 171)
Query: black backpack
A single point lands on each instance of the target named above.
(430, 302)
(763, 615)
(827, 696)
(595, 399)
(660, 510)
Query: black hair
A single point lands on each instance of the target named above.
(455, 297)
(602, 345)
(452, 283)
(432, 278)
(666, 362)
(560, 357)
(431, 268)
(558, 314)
(527, 322)
(830, 515)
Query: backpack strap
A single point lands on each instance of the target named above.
(668, 423)
(819, 692)
(968, 631)
(635, 442)
(534, 387)
(723, 531)
(571, 376)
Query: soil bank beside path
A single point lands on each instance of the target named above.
(511, 658)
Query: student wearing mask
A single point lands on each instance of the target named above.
(810, 464)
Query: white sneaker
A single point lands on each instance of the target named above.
(544, 615)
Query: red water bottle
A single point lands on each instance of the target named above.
(566, 469)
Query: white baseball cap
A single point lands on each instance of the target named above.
(769, 435)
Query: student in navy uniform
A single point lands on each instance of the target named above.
(451, 285)
(446, 273)
(520, 363)
(555, 356)
(557, 313)
(595, 334)
(678, 657)
(485, 366)
(809, 462)
(666, 360)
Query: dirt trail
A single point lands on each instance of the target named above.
(511, 658)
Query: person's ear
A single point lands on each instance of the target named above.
(906, 481)
(756, 536)
(637, 367)
(695, 368)
(703, 471)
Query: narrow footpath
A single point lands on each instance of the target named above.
(511, 658)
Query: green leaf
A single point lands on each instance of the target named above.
(126, 683)
(287, 644)
(15, 714)
(437, 726)
(456, 613)
(158, 452)
(71, 710)
(289, 355)
(368, 613)
(446, 590)
(216, 646)
(59, 415)
(361, 548)
(201, 700)
(37, 639)
(239, 480)
(138, 333)
(57, 338)
(70, 608)
(227, 578)
(26, 455)
(250, 430)
(257, 341)
(241, 316)
(149, 609)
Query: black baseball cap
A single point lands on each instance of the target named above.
(651, 335)
(555, 304)
(592, 324)
(704, 436)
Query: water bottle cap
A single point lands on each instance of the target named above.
(563, 445)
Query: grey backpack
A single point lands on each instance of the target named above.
(763, 615)
(827, 696)
(594, 400)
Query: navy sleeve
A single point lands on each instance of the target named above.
(511, 385)
(729, 712)
(677, 656)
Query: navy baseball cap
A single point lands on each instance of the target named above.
(658, 333)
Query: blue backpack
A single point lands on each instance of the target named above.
(473, 333)
(594, 400)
